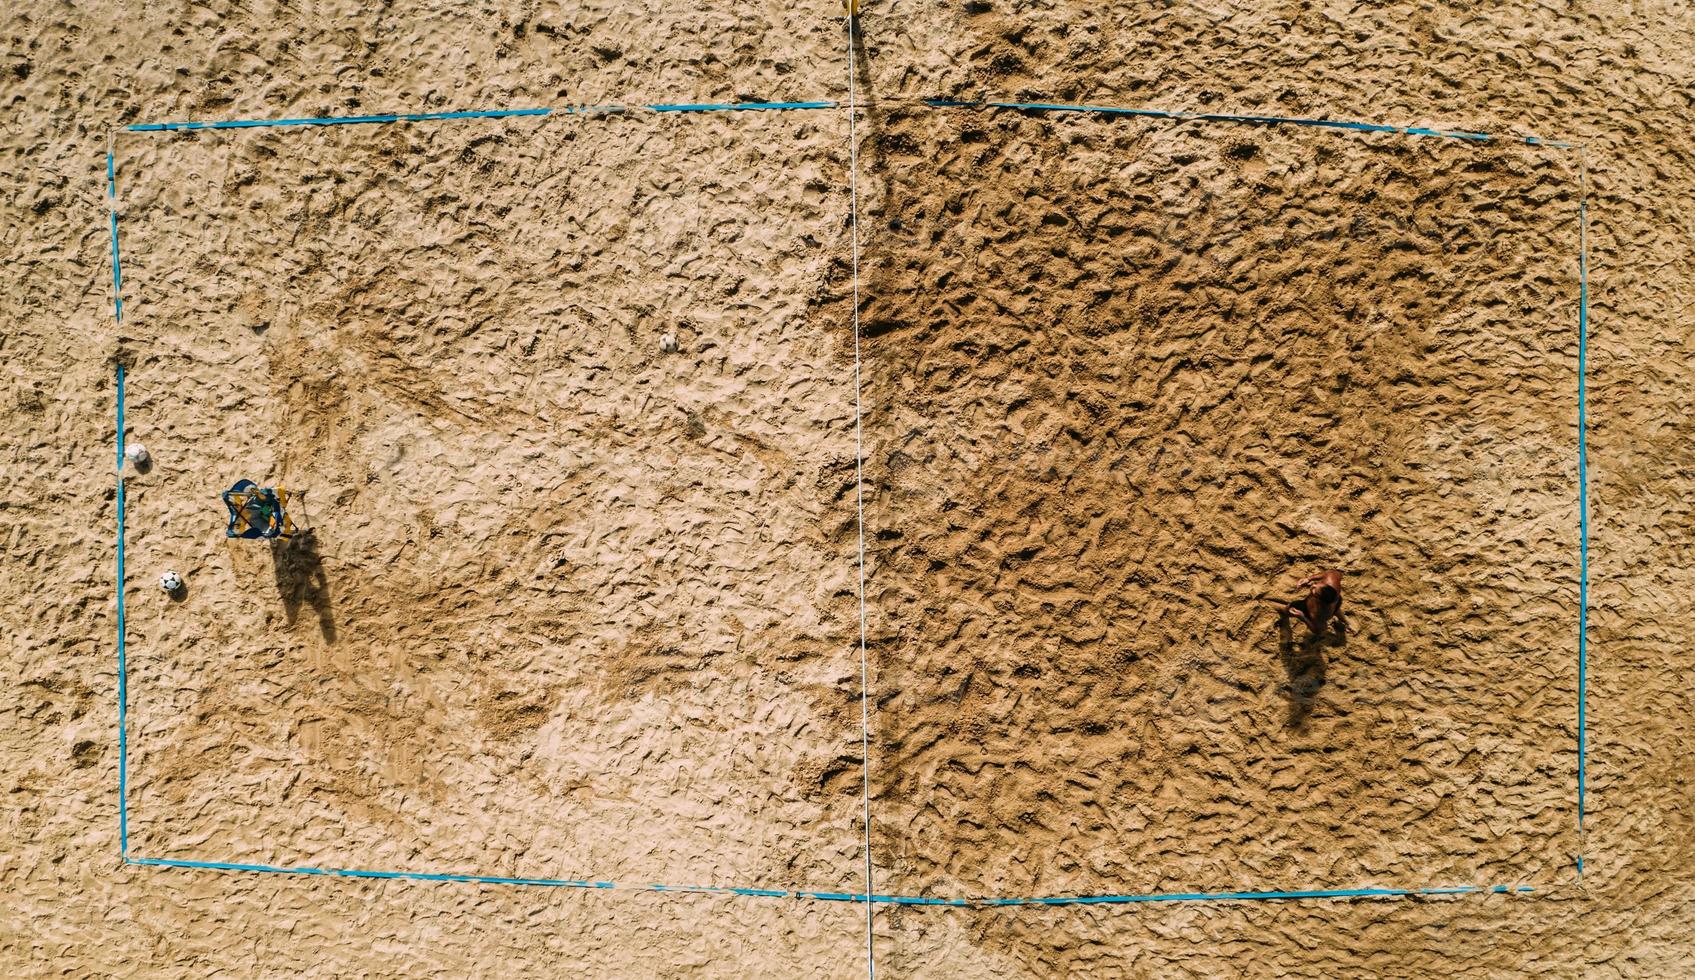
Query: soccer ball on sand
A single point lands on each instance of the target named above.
(170, 582)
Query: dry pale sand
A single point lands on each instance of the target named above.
(576, 607)
(569, 602)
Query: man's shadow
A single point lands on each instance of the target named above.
(1305, 664)
(301, 580)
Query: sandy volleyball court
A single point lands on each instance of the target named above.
(1091, 485)
(568, 402)
(539, 542)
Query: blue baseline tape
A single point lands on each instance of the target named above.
(337, 120)
(123, 684)
(737, 106)
(1582, 504)
(855, 897)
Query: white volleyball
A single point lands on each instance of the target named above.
(170, 582)
(137, 454)
(668, 343)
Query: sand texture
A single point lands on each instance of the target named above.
(573, 605)
(1127, 384)
(561, 604)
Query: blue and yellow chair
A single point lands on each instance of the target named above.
(257, 512)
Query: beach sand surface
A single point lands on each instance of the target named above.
(569, 604)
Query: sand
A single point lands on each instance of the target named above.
(560, 607)
(1093, 484)
(576, 606)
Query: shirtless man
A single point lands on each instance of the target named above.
(1321, 604)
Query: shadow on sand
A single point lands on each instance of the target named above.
(301, 580)
(1305, 664)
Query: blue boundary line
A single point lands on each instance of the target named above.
(855, 897)
(827, 104)
(1261, 120)
(479, 114)
(117, 281)
(123, 674)
(336, 120)
(112, 202)
(737, 106)
(1582, 501)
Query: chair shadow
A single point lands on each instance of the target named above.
(1305, 664)
(301, 581)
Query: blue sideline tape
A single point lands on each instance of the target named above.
(1418, 131)
(1291, 121)
(123, 688)
(1226, 117)
(1259, 896)
(337, 120)
(738, 106)
(1582, 503)
(488, 114)
(1109, 110)
(352, 873)
(759, 106)
(858, 897)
